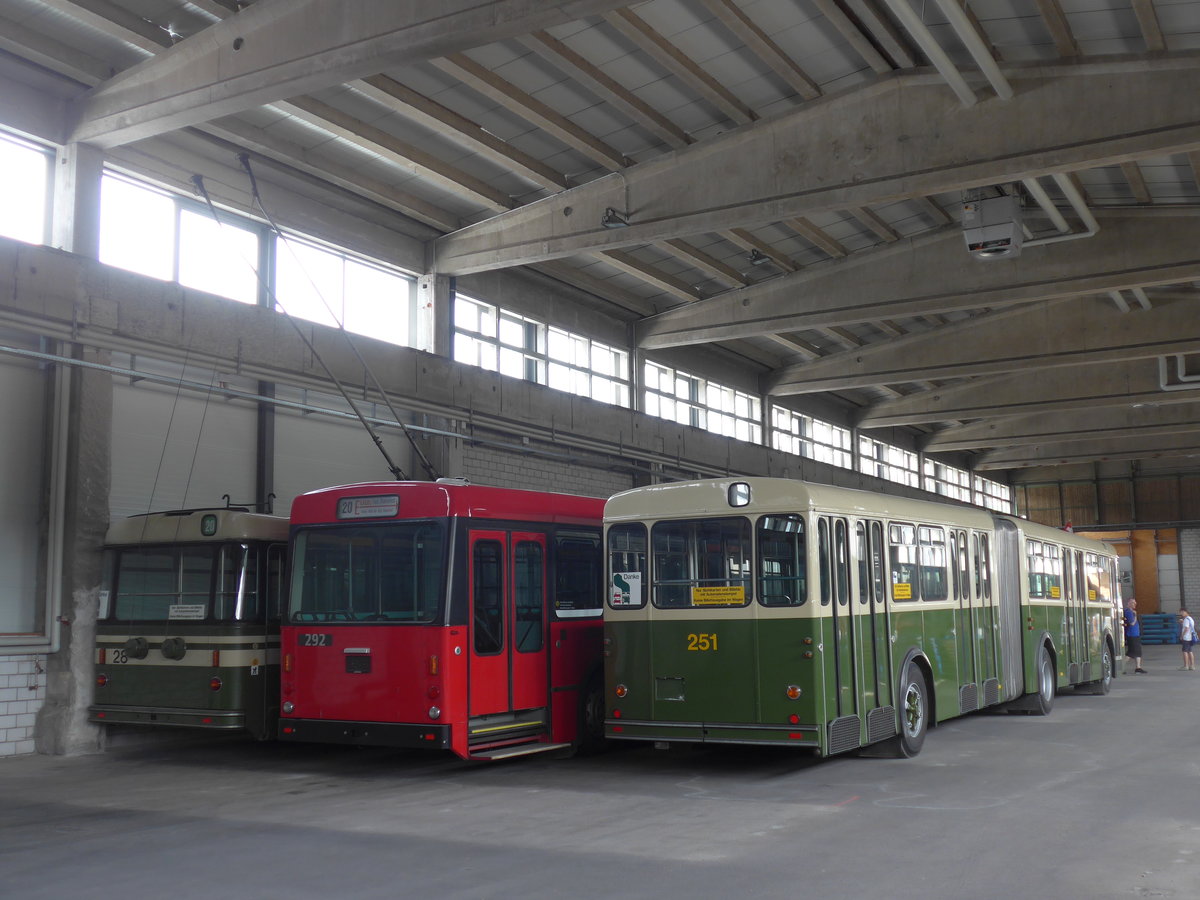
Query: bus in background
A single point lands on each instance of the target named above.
(771, 611)
(188, 628)
(444, 615)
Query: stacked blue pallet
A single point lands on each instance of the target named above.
(1159, 628)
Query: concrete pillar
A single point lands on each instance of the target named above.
(432, 330)
(83, 406)
(75, 224)
(62, 726)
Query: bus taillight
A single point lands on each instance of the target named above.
(433, 665)
(287, 662)
(434, 692)
(103, 656)
(621, 691)
(101, 679)
(216, 658)
(214, 683)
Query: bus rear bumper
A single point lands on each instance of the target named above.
(369, 734)
(215, 719)
(712, 733)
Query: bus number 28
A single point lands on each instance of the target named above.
(702, 641)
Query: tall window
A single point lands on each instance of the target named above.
(886, 461)
(692, 400)
(993, 495)
(947, 480)
(24, 186)
(502, 341)
(320, 284)
(805, 436)
(587, 368)
(162, 235)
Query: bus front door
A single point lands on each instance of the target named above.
(488, 672)
(874, 646)
(843, 712)
(508, 662)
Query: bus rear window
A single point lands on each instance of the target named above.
(393, 573)
(181, 584)
(701, 563)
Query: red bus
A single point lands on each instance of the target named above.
(444, 615)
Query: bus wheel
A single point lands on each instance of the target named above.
(1045, 683)
(590, 737)
(914, 711)
(1103, 684)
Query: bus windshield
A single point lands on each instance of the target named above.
(384, 573)
(181, 583)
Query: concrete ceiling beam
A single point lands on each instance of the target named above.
(933, 273)
(1050, 334)
(276, 49)
(900, 136)
(1110, 384)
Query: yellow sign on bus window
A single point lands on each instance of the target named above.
(1055, 591)
(733, 595)
(902, 591)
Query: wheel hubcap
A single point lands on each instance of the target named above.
(914, 710)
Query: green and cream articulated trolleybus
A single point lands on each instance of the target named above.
(771, 611)
(188, 630)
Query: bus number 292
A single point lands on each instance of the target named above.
(315, 640)
(702, 641)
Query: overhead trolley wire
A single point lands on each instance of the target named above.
(397, 472)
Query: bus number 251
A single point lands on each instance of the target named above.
(702, 641)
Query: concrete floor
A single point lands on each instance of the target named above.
(1099, 800)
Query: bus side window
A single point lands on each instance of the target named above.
(877, 560)
(578, 581)
(933, 563)
(902, 540)
(275, 575)
(964, 568)
(782, 575)
(627, 556)
(824, 553)
(865, 580)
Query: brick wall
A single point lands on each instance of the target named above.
(1189, 566)
(22, 692)
(496, 468)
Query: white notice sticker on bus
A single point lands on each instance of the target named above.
(626, 589)
(186, 611)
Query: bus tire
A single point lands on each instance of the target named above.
(1103, 684)
(1044, 699)
(590, 735)
(914, 709)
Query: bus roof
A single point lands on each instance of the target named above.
(186, 526)
(710, 497)
(383, 500)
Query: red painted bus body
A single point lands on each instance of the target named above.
(444, 615)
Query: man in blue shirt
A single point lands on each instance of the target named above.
(1133, 636)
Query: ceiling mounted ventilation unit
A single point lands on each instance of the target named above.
(992, 224)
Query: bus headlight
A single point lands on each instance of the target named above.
(434, 712)
(289, 707)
